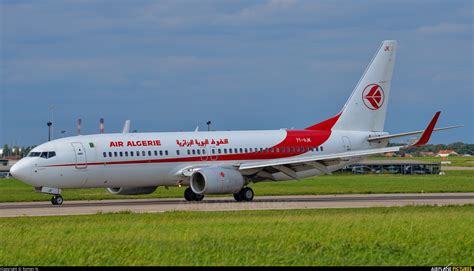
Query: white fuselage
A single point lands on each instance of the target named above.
(160, 159)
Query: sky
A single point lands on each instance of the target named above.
(244, 65)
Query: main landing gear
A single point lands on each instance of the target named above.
(246, 194)
(189, 195)
(57, 200)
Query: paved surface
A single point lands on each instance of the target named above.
(456, 168)
(228, 204)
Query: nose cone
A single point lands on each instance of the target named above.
(21, 170)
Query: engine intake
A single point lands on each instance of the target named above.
(215, 180)
(132, 190)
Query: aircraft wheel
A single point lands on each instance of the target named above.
(189, 194)
(237, 197)
(57, 200)
(246, 194)
(198, 197)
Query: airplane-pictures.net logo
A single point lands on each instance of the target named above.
(373, 96)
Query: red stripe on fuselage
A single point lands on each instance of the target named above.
(301, 139)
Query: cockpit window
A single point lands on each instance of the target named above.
(46, 154)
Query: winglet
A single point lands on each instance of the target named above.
(425, 137)
(126, 127)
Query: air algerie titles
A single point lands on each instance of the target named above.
(135, 143)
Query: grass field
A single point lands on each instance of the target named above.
(456, 161)
(374, 236)
(453, 181)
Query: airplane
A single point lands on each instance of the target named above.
(223, 162)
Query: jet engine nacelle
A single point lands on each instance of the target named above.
(132, 190)
(216, 180)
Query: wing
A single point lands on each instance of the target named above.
(290, 166)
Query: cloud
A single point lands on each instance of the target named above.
(444, 28)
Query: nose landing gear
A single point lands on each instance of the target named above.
(57, 200)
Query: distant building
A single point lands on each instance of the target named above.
(446, 153)
(394, 167)
(6, 164)
(427, 153)
(389, 154)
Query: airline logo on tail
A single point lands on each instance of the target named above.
(373, 96)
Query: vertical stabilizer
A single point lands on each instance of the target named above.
(367, 106)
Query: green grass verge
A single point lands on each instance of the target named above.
(374, 236)
(454, 181)
(456, 161)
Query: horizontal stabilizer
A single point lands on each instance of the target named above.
(378, 138)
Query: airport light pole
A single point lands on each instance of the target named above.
(49, 123)
(208, 125)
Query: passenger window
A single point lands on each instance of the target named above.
(194, 152)
(104, 154)
(245, 150)
(230, 150)
(138, 153)
(131, 153)
(156, 153)
(241, 150)
(297, 149)
(213, 151)
(198, 151)
(126, 154)
(166, 152)
(121, 154)
(149, 153)
(322, 148)
(203, 151)
(219, 151)
(177, 152)
(110, 154)
(143, 153)
(225, 150)
(277, 149)
(115, 154)
(261, 149)
(189, 152)
(161, 153)
(236, 150)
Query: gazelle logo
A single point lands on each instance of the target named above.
(373, 96)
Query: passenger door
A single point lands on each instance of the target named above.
(81, 159)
